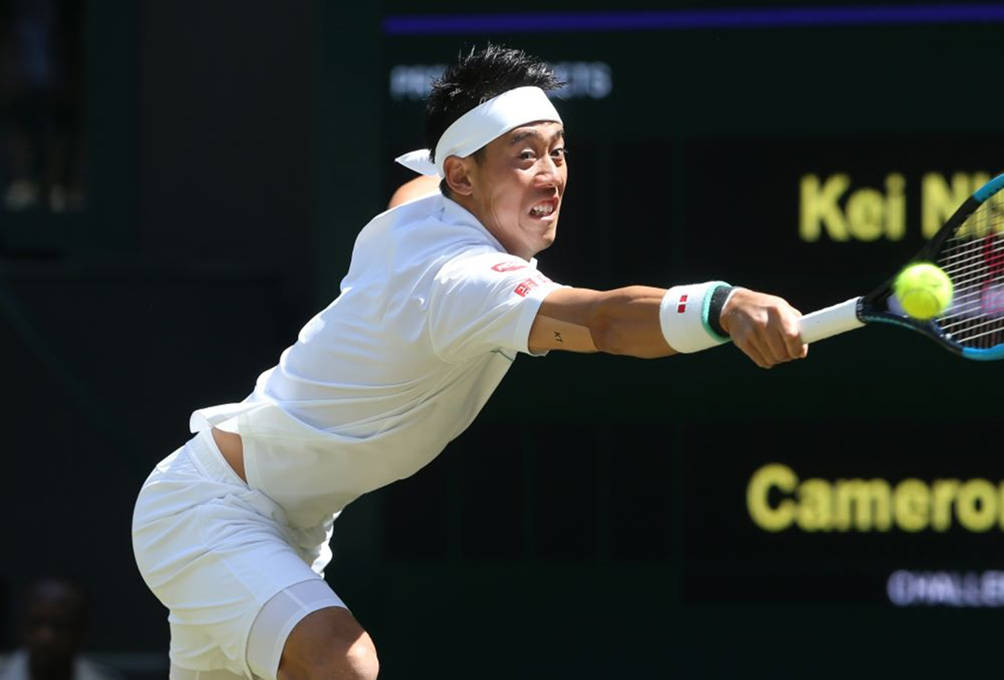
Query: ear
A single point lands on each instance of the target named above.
(458, 176)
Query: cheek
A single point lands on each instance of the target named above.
(506, 204)
(500, 209)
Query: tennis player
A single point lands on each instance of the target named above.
(231, 531)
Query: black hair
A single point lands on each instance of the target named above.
(476, 77)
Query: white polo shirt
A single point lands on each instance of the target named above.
(431, 315)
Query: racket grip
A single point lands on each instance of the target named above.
(830, 321)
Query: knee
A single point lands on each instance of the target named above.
(360, 660)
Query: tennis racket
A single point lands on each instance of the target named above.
(970, 249)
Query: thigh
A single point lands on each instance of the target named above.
(329, 643)
(213, 556)
(291, 609)
(215, 597)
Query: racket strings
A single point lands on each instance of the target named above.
(973, 258)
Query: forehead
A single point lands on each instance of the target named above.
(544, 131)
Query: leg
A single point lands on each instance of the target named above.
(305, 632)
(210, 549)
(329, 644)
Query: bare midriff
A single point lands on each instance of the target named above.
(232, 448)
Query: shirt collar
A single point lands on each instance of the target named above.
(455, 213)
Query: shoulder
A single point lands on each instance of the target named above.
(483, 262)
(418, 188)
(428, 228)
(403, 222)
(490, 274)
(428, 207)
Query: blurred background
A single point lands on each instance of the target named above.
(180, 187)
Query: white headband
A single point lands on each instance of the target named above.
(481, 125)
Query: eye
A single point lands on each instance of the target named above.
(560, 152)
(526, 155)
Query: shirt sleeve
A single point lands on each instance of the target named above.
(485, 302)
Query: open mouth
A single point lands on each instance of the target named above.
(544, 209)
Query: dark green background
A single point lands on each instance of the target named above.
(590, 523)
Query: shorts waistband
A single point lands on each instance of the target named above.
(207, 456)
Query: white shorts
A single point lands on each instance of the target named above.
(220, 556)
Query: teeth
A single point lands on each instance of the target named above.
(543, 209)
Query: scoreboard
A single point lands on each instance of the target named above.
(802, 158)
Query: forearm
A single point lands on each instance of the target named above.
(626, 321)
(621, 321)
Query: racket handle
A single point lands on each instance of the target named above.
(831, 321)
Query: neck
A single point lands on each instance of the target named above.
(471, 206)
(468, 204)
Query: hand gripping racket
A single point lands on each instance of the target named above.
(970, 249)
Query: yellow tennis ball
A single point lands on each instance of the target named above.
(924, 290)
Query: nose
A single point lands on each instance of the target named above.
(547, 174)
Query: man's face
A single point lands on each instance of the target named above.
(54, 625)
(517, 186)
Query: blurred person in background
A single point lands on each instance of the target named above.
(54, 627)
(41, 100)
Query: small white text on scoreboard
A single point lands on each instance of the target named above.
(583, 80)
(907, 588)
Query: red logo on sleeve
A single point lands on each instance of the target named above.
(525, 286)
(682, 307)
(508, 266)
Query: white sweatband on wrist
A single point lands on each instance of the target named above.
(683, 316)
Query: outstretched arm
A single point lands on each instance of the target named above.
(626, 321)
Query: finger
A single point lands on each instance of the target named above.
(792, 338)
(774, 342)
(770, 338)
(753, 352)
(750, 337)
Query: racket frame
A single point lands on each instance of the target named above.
(873, 308)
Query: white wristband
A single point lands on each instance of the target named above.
(683, 316)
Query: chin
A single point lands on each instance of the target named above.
(551, 234)
(546, 241)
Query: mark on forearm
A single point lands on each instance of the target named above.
(557, 337)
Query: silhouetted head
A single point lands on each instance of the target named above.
(55, 619)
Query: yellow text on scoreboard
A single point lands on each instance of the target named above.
(834, 207)
(777, 499)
